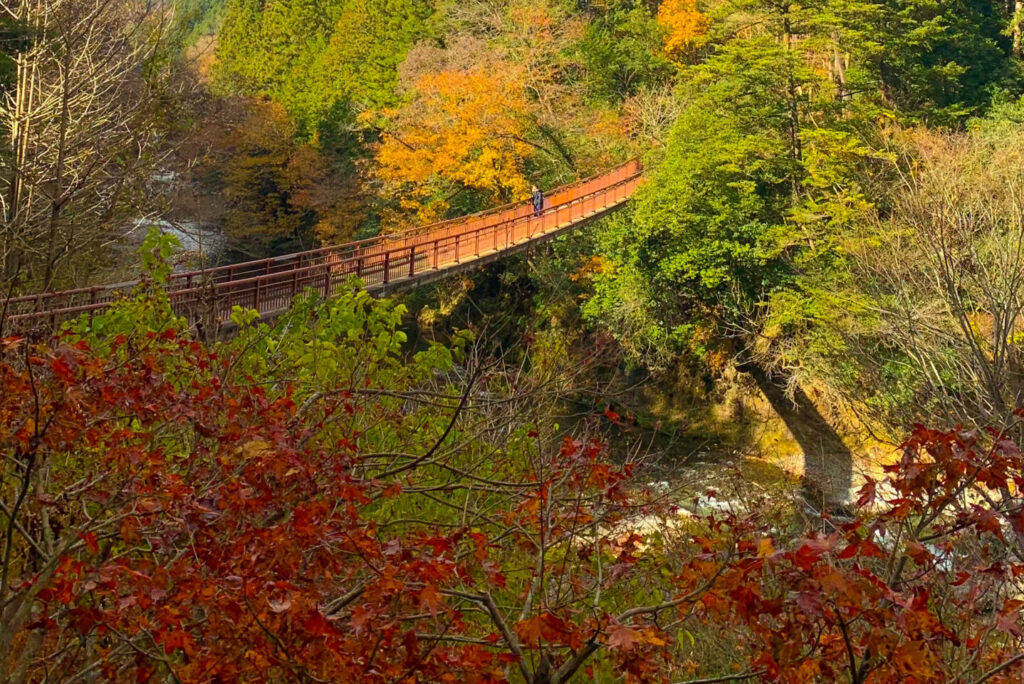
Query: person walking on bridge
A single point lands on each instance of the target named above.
(538, 201)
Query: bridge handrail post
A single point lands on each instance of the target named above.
(412, 261)
(387, 267)
(457, 248)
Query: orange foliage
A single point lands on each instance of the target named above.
(465, 128)
(192, 523)
(269, 185)
(685, 26)
(592, 266)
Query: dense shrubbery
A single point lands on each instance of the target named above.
(311, 500)
(304, 503)
(805, 221)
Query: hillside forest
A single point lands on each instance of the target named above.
(764, 422)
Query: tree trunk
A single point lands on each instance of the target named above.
(20, 134)
(839, 69)
(57, 197)
(794, 108)
(79, 126)
(828, 462)
(1018, 28)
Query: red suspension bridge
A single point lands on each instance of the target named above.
(384, 264)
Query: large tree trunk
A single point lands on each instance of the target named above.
(57, 193)
(828, 462)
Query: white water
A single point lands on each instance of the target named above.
(197, 240)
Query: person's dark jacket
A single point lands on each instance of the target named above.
(538, 200)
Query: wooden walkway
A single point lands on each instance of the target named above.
(384, 264)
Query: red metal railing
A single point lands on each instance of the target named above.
(269, 285)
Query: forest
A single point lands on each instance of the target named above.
(762, 422)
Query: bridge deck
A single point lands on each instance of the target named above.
(384, 264)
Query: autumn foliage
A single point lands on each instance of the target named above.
(230, 560)
(465, 129)
(273, 190)
(684, 26)
(924, 588)
(296, 504)
(302, 503)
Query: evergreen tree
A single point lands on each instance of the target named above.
(937, 61)
(621, 51)
(317, 56)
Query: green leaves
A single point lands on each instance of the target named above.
(156, 249)
(763, 172)
(921, 60)
(621, 50)
(702, 240)
(142, 313)
(318, 58)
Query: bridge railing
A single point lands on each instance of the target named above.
(269, 285)
(514, 211)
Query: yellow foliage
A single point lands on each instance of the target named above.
(685, 26)
(533, 18)
(594, 265)
(462, 127)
